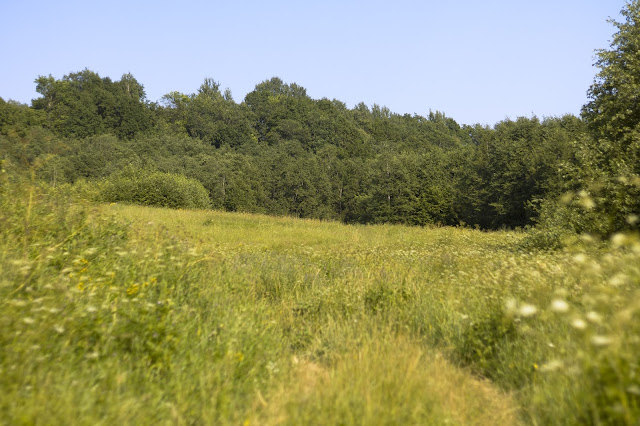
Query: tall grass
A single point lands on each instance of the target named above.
(123, 314)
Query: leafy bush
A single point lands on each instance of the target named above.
(480, 342)
(606, 207)
(154, 188)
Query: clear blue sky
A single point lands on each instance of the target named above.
(476, 60)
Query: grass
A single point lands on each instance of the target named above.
(133, 315)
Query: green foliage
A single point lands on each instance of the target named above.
(18, 117)
(281, 152)
(613, 112)
(511, 168)
(604, 167)
(83, 104)
(481, 342)
(210, 317)
(88, 309)
(209, 115)
(153, 188)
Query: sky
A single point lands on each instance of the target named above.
(478, 61)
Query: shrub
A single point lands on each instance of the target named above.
(154, 188)
(605, 208)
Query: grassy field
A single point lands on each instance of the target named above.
(117, 314)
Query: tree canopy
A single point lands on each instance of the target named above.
(281, 152)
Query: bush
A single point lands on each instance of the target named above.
(607, 207)
(153, 188)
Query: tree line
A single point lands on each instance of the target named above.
(281, 152)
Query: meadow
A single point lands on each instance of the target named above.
(118, 314)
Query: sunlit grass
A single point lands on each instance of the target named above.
(123, 314)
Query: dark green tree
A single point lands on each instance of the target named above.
(611, 168)
(281, 112)
(613, 112)
(84, 104)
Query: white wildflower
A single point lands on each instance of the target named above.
(552, 366)
(594, 317)
(599, 340)
(618, 240)
(634, 390)
(579, 324)
(618, 280)
(580, 258)
(559, 305)
(527, 310)
(587, 203)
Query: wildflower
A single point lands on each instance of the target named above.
(578, 324)
(527, 310)
(587, 203)
(91, 309)
(133, 289)
(594, 317)
(618, 280)
(587, 238)
(559, 305)
(599, 340)
(618, 240)
(93, 355)
(566, 198)
(28, 320)
(634, 390)
(510, 305)
(58, 328)
(552, 366)
(580, 258)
